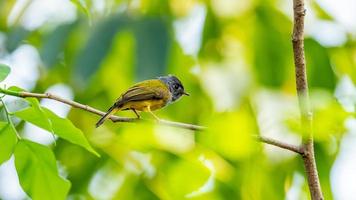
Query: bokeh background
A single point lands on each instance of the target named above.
(234, 58)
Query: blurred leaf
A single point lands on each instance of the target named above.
(8, 141)
(38, 173)
(329, 121)
(79, 165)
(236, 141)
(15, 37)
(141, 191)
(153, 42)
(132, 136)
(271, 46)
(98, 46)
(256, 168)
(5, 9)
(54, 43)
(320, 12)
(184, 177)
(4, 71)
(224, 170)
(180, 63)
(150, 7)
(61, 127)
(325, 160)
(328, 117)
(343, 61)
(83, 6)
(119, 61)
(319, 69)
(211, 34)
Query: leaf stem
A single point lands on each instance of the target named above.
(9, 119)
(10, 92)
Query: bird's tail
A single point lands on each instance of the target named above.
(111, 110)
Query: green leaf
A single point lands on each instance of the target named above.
(38, 173)
(54, 44)
(83, 5)
(8, 141)
(97, 47)
(271, 47)
(320, 12)
(42, 119)
(61, 127)
(4, 71)
(320, 70)
(15, 37)
(15, 89)
(184, 177)
(153, 45)
(65, 129)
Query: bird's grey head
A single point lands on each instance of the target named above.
(175, 86)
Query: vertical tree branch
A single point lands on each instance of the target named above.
(303, 97)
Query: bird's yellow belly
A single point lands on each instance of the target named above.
(143, 105)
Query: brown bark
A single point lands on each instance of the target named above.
(303, 96)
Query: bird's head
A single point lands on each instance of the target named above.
(175, 86)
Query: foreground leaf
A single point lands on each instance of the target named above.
(38, 173)
(4, 71)
(40, 114)
(60, 126)
(8, 141)
(15, 89)
(65, 129)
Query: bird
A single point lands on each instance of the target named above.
(147, 96)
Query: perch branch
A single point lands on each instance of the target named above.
(96, 111)
(307, 145)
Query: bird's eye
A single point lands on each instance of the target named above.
(175, 86)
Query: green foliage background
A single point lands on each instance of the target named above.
(241, 82)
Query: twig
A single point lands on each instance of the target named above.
(96, 111)
(303, 97)
(182, 125)
(283, 145)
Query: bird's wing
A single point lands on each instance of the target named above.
(146, 90)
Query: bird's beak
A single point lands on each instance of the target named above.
(185, 93)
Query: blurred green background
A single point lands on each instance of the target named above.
(234, 58)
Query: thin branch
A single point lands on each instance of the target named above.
(283, 145)
(303, 97)
(167, 123)
(96, 111)
(182, 125)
